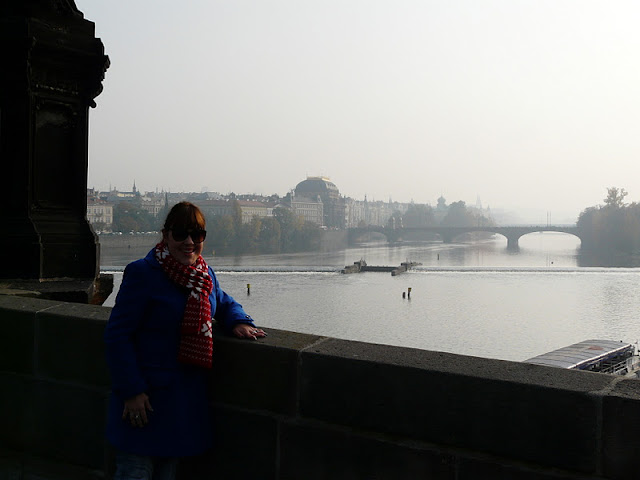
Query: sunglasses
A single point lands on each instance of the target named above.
(181, 234)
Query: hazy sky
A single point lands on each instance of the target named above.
(530, 104)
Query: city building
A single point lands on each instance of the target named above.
(248, 208)
(363, 213)
(100, 214)
(215, 208)
(154, 204)
(310, 209)
(252, 209)
(115, 196)
(355, 211)
(316, 200)
(333, 203)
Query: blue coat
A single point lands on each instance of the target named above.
(141, 341)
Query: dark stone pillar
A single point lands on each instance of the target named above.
(52, 69)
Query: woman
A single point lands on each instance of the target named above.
(159, 350)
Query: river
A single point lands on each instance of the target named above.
(475, 299)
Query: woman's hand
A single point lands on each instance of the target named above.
(135, 408)
(244, 330)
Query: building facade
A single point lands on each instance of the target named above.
(333, 204)
(100, 215)
(311, 210)
(252, 209)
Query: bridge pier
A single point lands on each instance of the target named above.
(512, 242)
(53, 66)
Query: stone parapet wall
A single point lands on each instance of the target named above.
(54, 386)
(295, 406)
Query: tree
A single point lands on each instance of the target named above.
(615, 197)
(395, 220)
(128, 217)
(288, 224)
(418, 216)
(99, 226)
(612, 228)
(306, 237)
(269, 238)
(237, 214)
(248, 234)
(458, 216)
(221, 233)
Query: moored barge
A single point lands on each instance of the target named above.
(603, 356)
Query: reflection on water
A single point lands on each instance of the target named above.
(547, 249)
(477, 299)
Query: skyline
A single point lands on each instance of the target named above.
(501, 214)
(530, 105)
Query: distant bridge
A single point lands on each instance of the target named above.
(513, 233)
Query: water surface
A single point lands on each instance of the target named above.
(476, 299)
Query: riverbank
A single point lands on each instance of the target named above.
(331, 240)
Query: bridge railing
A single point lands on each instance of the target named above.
(315, 407)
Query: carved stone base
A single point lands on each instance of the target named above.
(94, 292)
(52, 69)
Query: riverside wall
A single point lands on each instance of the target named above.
(294, 406)
(127, 241)
(330, 240)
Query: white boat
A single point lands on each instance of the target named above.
(603, 356)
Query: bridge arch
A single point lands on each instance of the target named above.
(367, 236)
(451, 237)
(572, 233)
(512, 233)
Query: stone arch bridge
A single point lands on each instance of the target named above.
(448, 234)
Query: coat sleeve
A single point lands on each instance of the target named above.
(228, 312)
(126, 316)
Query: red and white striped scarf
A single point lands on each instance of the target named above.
(196, 339)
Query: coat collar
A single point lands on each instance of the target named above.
(151, 259)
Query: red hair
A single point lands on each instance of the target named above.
(184, 215)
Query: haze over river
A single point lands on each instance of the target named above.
(475, 299)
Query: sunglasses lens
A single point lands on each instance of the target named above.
(197, 236)
(178, 234)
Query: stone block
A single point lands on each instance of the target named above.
(315, 452)
(621, 425)
(45, 123)
(17, 324)
(16, 411)
(498, 469)
(51, 469)
(69, 424)
(259, 374)
(245, 448)
(70, 343)
(519, 411)
(10, 465)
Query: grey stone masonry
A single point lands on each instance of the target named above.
(52, 70)
(311, 407)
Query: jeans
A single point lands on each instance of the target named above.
(137, 467)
